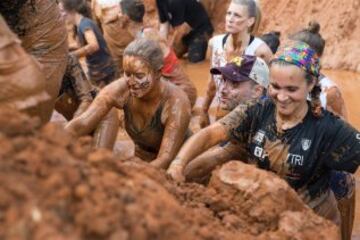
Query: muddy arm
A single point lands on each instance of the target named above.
(209, 96)
(196, 145)
(177, 120)
(84, 90)
(106, 133)
(113, 95)
(202, 111)
(89, 48)
(335, 102)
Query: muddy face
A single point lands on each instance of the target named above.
(139, 77)
(237, 19)
(233, 93)
(288, 88)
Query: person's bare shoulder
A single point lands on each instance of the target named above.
(116, 92)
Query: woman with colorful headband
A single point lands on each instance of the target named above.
(156, 112)
(287, 134)
(342, 183)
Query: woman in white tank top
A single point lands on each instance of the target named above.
(242, 19)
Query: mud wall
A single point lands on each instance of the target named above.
(338, 19)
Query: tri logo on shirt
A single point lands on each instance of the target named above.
(293, 159)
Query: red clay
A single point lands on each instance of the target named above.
(53, 188)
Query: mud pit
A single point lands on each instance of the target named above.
(52, 188)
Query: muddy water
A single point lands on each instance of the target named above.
(348, 82)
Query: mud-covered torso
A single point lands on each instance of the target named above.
(302, 155)
(149, 137)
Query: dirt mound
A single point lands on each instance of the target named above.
(53, 188)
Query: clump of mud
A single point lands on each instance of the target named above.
(54, 188)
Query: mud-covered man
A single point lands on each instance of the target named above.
(243, 79)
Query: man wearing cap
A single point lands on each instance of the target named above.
(244, 79)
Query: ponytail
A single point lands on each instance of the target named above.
(258, 16)
(311, 36)
(315, 95)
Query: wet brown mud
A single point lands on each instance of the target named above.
(55, 188)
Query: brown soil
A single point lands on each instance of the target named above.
(52, 188)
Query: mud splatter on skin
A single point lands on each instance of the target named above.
(138, 75)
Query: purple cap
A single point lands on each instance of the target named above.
(245, 68)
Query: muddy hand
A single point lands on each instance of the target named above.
(159, 163)
(176, 172)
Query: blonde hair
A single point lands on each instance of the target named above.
(254, 11)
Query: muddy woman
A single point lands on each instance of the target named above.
(241, 22)
(342, 183)
(156, 112)
(287, 134)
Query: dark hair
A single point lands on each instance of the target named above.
(10, 10)
(134, 9)
(79, 6)
(148, 50)
(272, 39)
(253, 11)
(315, 92)
(311, 36)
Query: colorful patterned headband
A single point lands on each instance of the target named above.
(301, 55)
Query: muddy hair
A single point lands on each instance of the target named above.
(315, 92)
(134, 9)
(253, 11)
(311, 36)
(148, 50)
(11, 11)
(80, 6)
